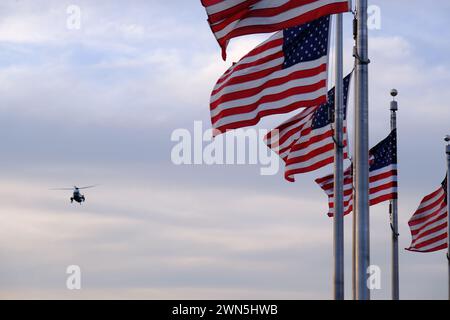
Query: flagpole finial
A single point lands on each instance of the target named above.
(394, 93)
(447, 139)
(394, 105)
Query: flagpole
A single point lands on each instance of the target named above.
(393, 206)
(354, 248)
(447, 150)
(355, 76)
(361, 207)
(338, 243)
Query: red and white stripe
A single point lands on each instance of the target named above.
(327, 184)
(233, 18)
(258, 86)
(302, 148)
(429, 223)
(382, 187)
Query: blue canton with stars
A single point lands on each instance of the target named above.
(322, 116)
(384, 153)
(306, 42)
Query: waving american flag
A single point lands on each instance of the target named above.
(233, 18)
(305, 142)
(382, 176)
(429, 223)
(284, 73)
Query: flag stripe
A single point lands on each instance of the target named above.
(251, 114)
(236, 96)
(233, 18)
(429, 222)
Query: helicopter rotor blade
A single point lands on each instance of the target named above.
(62, 189)
(95, 185)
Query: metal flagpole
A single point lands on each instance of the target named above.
(393, 208)
(355, 76)
(361, 161)
(447, 150)
(338, 245)
(354, 249)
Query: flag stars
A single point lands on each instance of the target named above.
(306, 43)
(321, 116)
(385, 153)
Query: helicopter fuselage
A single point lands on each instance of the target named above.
(78, 197)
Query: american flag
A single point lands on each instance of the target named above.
(305, 142)
(382, 176)
(284, 73)
(233, 18)
(429, 223)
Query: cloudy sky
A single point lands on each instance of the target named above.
(98, 105)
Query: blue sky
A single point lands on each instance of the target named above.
(98, 105)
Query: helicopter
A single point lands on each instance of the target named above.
(77, 196)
